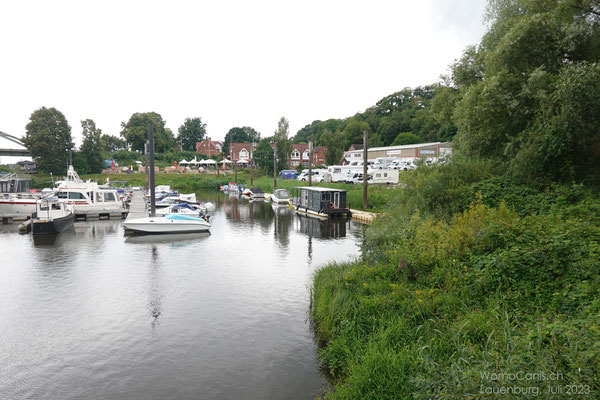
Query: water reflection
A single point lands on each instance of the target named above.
(176, 239)
(321, 229)
(54, 239)
(154, 289)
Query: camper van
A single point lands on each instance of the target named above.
(318, 175)
(339, 173)
(388, 176)
(402, 165)
(382, 162)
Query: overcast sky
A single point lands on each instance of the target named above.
(232, 63)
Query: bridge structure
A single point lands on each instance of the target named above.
(13, 152)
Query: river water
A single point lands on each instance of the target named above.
(94, 314)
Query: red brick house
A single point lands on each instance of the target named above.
(241, 151)
(209, 147)
(301, 155)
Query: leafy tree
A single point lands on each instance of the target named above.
(315, 130)
(245, 134)
(193, 130)
(353, 132)
(80, 163)
(516, 87)
(135, 131)
(406, 138)
(48, 139)
(334, 141)
(92, 146)
(284, 144)
(113, 143)
(263, 154)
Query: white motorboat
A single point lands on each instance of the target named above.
(88, 197)
(281, 196)
(172, 223)
(15, 196)
(85, 197)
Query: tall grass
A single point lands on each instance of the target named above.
(484, 277)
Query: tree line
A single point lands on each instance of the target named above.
(526, 97)
(48, 138)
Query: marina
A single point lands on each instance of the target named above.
(220, 315)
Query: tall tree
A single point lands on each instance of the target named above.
(92, 146)
(263, 155)
(113, 143)
(524, 89)
(48, 139)
(334, 142)
(135, 131)
(193, 130)
(284, 144)
(244, 134)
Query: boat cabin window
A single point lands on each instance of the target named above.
(61, 195)
(55, 206)
(99, 197)
(109, 196)
(44, 207)
(76, 196)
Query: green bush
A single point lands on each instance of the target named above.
(501, 278)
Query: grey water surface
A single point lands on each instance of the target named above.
(94, 314)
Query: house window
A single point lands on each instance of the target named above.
(244, 153)
(306, 155)
(295, 155)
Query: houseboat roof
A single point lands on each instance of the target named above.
(319, 189)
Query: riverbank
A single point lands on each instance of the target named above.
(468, 280)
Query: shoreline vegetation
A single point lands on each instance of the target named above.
(468, 273)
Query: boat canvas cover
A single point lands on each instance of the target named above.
(183, 205)
(182, 217)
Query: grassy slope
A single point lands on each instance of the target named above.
(448, 290)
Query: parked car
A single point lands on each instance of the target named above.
(289, 174)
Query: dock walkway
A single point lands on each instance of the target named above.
(138, 207)
(364, 217)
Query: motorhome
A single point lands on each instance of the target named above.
(388, 176)
(383, 162)
(339, 173)
(318, 175)
(402, 165)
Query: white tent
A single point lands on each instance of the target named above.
(183, 162)
(210, 162)
(243, 161)
(194, 161)
(226, 161)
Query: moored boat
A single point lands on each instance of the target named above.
(52, 216)
(281, 196)
(320, 202)
(172, 223)
(16, 196)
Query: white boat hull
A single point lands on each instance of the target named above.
(280, 201)
(162, 225)
(17, 207)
